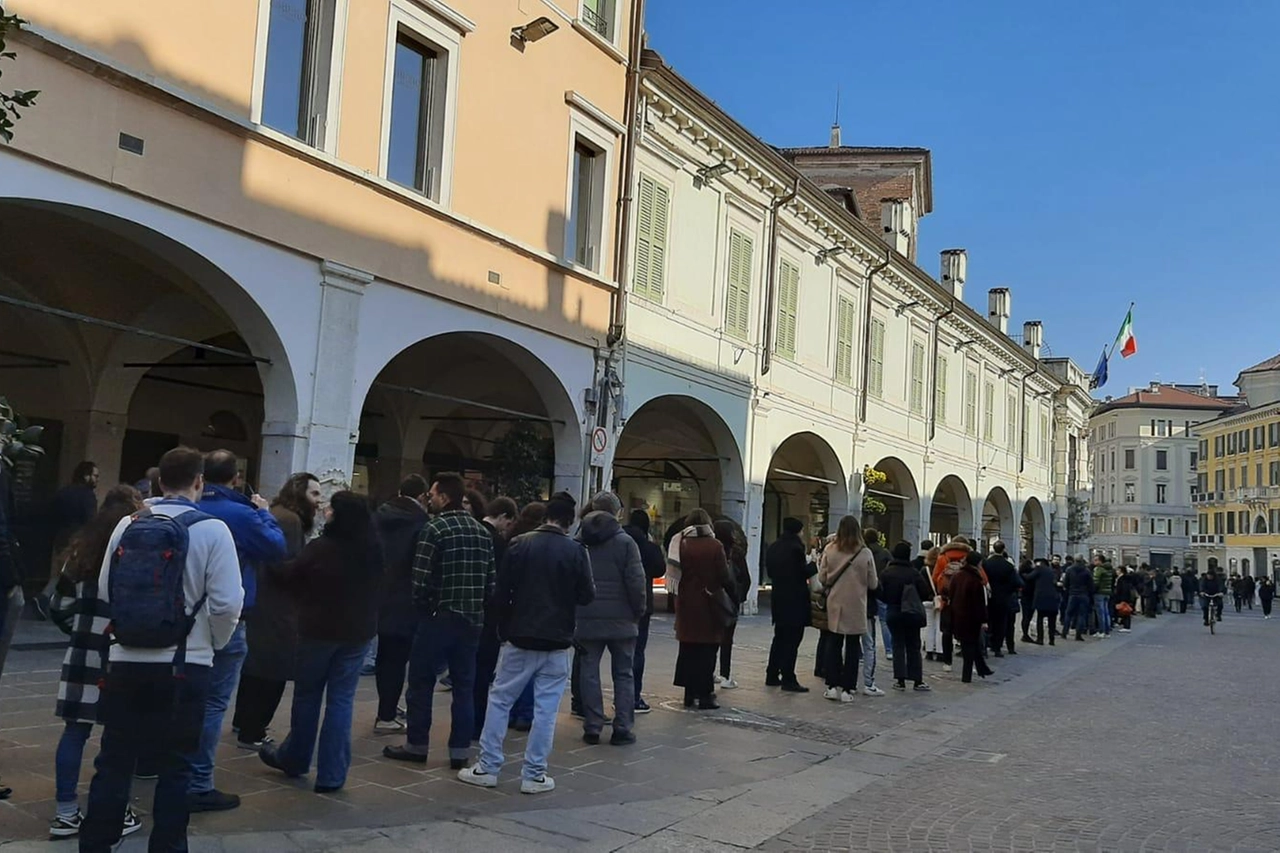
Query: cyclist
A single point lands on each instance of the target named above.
(1211, 593)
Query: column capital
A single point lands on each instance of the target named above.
(334, 274)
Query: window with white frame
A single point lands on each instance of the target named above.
(788, 305)
(1162, 493)
(971, 402)
(737, 312)
(875, 370)
(298, 68)
(584, 232)
(940, 389)
(916, 398)
(649, 278)
(601, 17)
(844, 341)
(419, 101)
(1130, 492)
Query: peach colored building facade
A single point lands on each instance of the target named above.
(356, 237)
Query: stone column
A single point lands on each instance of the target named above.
(333, 428)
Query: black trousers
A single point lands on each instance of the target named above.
(1052, 616)
(907, 664)
(1028, 613)
(783, 652)
(726, 651)
(843, 652)
(1001, 618)
(1266, 606)
(146, 714)
(946, 640)
(256, 702)
(389, 672)
(971, 649)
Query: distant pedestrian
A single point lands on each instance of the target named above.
(78, 611)
(1174, 594)
(734, 540)
(655, 566)
(1104, 582)
(399, 522)
(787, 564)
(545, 576)
(1044, 600)
(1026, 602)
(1004, 583)
(967, 601)
(848, 575)
(1077, 584)
(1266, 594)
(875, 541)
(949, 562)
(701, 615)
(1122, 599)
(336, 582)
(1250, 587)
(271, 628)
(932, 630)
(499, 519)
(611, 621)
(905, 590)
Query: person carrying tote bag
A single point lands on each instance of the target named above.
(848, 573)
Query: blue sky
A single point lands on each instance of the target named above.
(1087, 154)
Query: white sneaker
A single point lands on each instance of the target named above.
(1126, 631)
(473, 775)
(833, 693)
(728, 684)
(872, 691)
(388, 727)
(845, 697)
(946, 667)
(538, 786)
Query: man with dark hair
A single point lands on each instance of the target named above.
(453, 576)
(147, 713)
(399, 522)
(1004, 582)
(500, 517)
(545, 577)
(474, 502)
(787, 563)
(877, 617)
(655, 565)
(259, 541)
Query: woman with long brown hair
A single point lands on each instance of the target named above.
(701, 622)
(847, 573)
(271, 627)
(734, 540)
(76, 609)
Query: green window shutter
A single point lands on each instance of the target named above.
(875, 378)
(1011, 423)
(916, 400)
(844, 342)
(737, 313)
(788, 304)
(989, 411)
(651, 240)
(940, 390)
(970, 402)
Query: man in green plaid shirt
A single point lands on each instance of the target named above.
(453, 577)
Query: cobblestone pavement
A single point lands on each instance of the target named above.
(1073, 747)
(1165, 743)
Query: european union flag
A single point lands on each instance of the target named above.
(1099, 377)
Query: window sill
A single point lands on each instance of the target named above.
(600, 41)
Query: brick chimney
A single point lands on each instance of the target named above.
(999, 304)
(954, 265)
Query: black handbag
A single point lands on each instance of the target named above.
(723, 604)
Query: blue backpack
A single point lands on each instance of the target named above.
(148, 603)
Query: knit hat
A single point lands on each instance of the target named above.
(902, 551)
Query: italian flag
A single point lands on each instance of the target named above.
(1126, 343)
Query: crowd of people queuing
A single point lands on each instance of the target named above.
(187, 590)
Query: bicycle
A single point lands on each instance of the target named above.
(1213, 609)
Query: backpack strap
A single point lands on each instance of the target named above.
(187, 520)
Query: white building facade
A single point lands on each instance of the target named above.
(778, 347)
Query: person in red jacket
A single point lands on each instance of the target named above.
(968, 605)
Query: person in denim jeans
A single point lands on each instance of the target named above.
(1077, 583)
(453, 576)
(545, 578)
(1104, 583)
(336, 582)
(259, 540)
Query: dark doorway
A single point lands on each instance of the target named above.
(141, 450)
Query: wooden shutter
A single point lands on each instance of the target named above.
(788, 303)
(875, 384)
(917, 377)
(648, 281)
(844, 342)
(737, 315)
(940, 390)
(970, 402)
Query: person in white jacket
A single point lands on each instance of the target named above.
(152, 710)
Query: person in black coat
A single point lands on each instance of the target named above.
(789, 569)
(1004, 582)
(399, 521)
(655, 566)
(899, 576)
(1025, 571)
(1044, 600)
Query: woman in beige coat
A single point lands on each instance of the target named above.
(847, 572)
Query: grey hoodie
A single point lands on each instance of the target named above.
(619, 578)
